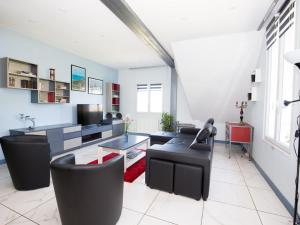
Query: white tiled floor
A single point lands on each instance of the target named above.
(239, 195)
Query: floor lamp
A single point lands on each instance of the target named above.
(294, 58)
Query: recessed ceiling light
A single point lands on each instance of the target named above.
(62, 10)
(183, 18)
(31, 21)
(232, 8)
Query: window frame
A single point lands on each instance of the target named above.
(276, 141)
(149, 98)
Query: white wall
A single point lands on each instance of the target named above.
(128, 79)
(184, 114)
(214, 73)
(278, 165)
(13, 102)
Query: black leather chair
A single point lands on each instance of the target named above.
(88, 194)
(28, 160)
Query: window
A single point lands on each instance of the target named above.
(142, 98)
(156, 98)
(280, 39)
(149, 98)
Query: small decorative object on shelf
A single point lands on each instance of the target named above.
(52, 74)
(127, 121)
(26, 118)
(241, 106)
(12, 81)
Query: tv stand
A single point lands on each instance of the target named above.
(98, 132)
(95, 133)
(68, 137)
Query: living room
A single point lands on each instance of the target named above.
(149, 112)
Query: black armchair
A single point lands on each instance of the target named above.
(88, 194)
(28, 160)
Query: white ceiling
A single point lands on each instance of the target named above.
(87, 28)
(84, 27)
(177, 20)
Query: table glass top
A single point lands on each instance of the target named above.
(124, 142)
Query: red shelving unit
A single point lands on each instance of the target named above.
(113, 97)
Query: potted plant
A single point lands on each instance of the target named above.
(167, 122)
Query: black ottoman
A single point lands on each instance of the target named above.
(188, 181)
(161, 175)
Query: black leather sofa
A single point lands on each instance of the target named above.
(28, 160)
(88, 194)
(182, 162)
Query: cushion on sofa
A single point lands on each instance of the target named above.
(189, 130)
(204, 133)
(210, 121)
(213, 132)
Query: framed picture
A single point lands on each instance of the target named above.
(78, 78)
(95, 86)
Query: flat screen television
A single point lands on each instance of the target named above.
(88, 114)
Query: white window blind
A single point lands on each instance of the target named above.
(149, 98)
(156, 97)
(142, 98)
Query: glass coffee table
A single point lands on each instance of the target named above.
(125, 145)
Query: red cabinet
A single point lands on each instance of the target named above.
(240, 133)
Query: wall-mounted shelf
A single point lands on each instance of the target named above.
(62, 92)
(256, 76)
(252, 96)
(20, 74)
(113, 97)
(255, 79)
(51, 92)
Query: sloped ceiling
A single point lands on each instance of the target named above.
(178, 20)
(215, 72)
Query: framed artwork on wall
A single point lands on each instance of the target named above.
(78, 78)
(95, 86)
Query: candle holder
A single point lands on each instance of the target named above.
(241, 106)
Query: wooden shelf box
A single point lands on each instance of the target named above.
(51, 92)
(113, 97)
(62, 92)
(20, 74)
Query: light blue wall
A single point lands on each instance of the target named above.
(13, 102)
